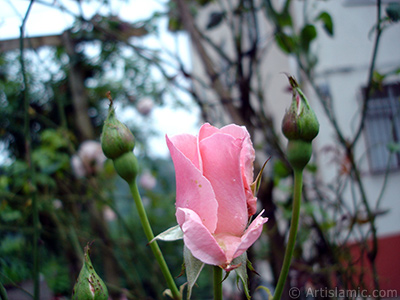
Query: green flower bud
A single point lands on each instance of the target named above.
(298, 153)
(300, 126)
(116, 138)
(300, 121)
(89, 285)
(127, 166)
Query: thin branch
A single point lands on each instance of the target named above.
(370, 75)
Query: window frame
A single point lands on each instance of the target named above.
(382, 127)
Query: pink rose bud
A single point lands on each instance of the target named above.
(214, 199)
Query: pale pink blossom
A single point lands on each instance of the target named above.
(214, 199)
(109, 214)
(89, 159)
(145, 106)
(148, 181)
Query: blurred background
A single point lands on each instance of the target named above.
(170, 66)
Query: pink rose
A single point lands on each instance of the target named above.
(214, 200)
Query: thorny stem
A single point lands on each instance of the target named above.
(298, 182)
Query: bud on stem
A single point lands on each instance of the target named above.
(89, 285)
(300, 126)
(117, 142)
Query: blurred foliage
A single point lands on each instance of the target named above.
(75, 210)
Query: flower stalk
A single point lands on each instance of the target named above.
(298, 181)
(217, 283)
(117, 142)
(153, 245)
(300, 126)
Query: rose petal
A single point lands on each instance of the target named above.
(247, 157)
(221, 166)
(207, 130)
(187, 144)
(229, 244)
(198, 238)
(252, 233)
(193, 190)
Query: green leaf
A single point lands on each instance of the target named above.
(241, 272)
(312, 168)
(326, 19)
(54, 139)
(393, 147)
(393, 11)
(172, 234)
(307, 35)
(285, 42)
(280, 169)
(193, 269)
(308, 208)
(284, 19)
(215, 19)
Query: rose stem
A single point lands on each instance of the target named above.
(217, 283)
(153, 245)
(298, 182)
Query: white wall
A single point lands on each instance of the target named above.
(343, 66)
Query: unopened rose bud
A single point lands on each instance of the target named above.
(117, 142)
(300, 121)
(116, 138)
(89, 286)
(300, 126)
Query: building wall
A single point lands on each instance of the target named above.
(343, 67)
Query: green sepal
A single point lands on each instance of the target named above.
(298, 153)
(89, 285)
(171, 234)
(255, 186)
(261, 287)
(127, 166)
(251, 268)
(193, 268)
(168, 292)
(241, 272)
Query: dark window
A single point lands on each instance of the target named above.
(382, 128)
